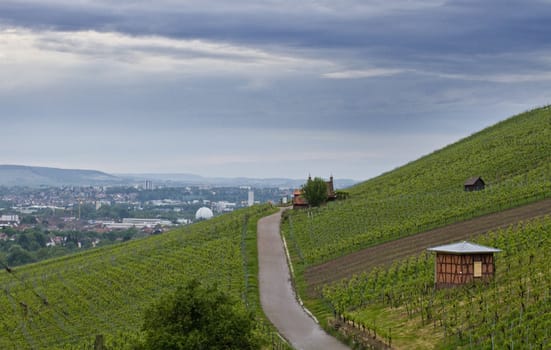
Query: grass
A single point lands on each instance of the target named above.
(406, 333)
(514, 308)
(65, 302)
(513, 157)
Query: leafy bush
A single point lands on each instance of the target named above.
(198, 317)
(315, 191)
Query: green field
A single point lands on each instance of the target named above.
(514, 159)
(65, 302)
(513, 311)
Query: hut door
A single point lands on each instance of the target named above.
(477, 269)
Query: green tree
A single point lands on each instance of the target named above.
(29, 220)
(19, 256)
(315, 191)
(198, 317)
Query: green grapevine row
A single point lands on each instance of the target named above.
(513, 157)
(512, 311)
(65, 302)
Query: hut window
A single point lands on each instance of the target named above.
(478, 269)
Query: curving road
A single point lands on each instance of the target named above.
(278, 297)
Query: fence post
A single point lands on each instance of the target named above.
(99, 344)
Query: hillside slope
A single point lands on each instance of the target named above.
(31, 176)
(513, 157)
(384, 254)
(67, 301)
(513, 311)
(383, 214)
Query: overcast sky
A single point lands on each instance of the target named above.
(262, 88)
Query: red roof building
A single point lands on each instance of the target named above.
(300, 202)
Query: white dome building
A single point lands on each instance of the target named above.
(203, 213)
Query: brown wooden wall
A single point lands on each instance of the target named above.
(453, 269)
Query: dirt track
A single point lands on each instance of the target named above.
(384, 254)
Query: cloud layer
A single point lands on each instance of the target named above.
(263, 88)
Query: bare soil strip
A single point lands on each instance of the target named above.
(386, 253)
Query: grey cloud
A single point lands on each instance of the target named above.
(404, 102)
(453, 67)
(437, 28)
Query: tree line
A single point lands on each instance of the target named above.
(35, 244)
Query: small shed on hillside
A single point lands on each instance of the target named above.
(474, 184)
(463, 262)
(298, 200)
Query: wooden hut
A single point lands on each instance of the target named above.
(463, 262)
(474, 184)
(298, 200)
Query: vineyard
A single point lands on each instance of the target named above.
(514, 311)
(66, 302)
(513, 157)
(425, 196)
(383, 255)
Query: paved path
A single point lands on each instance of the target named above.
(278, 297)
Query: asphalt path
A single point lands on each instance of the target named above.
(277, 295)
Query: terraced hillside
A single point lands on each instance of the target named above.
(65, 302)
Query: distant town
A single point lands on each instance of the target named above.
(101, 208)
(38, 223)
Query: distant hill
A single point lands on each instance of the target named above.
(31, 176)
(185, 179)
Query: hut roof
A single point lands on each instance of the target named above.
(472, 181)
(463, 248)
